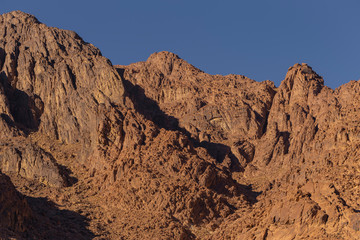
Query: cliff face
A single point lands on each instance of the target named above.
(53, 85)
(160, 149)
(304, 158)
(292, 142)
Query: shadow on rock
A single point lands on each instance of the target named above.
(26, 110)
(67, 173)
(50, 222)
(148, 107)
(151, 111)
(220, 152)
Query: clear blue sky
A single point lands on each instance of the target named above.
(259, 39)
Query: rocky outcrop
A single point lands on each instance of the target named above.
(293, 139)
(53, 84)
(225, 114)
(161, 150)
(21, 157)
(64, 104)
(299, 163)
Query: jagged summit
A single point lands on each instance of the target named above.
(274, 135)
(305, 70)
(163, 56)
(301, 84)
(159, 149)
(20, 16)
(166, 62)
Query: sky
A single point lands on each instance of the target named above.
(259, 39)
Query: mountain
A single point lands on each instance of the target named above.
(161, 150)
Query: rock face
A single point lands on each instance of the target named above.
(308, 162)
(287, 140)
(52, 84)
(225, 114)
(15, 213)
(161, 150)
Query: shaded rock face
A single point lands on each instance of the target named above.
(15, 212)
(161, 150)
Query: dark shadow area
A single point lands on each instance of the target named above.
(26, 110)
(8, 120)
(264, 128)
(250, 193)
(220, 152)
(222, 185)
(67, 174)
(2, 57)
(25, 217)
(151, 111)
(50, 222)
(72, 77)
(149, 108)
(286, 138)
(216, 150)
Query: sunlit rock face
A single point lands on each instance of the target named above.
(161, 150)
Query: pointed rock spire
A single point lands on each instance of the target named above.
(299, 88)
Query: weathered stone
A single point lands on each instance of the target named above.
(160, 149)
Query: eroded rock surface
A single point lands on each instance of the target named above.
(224, 114)
(161, 150)
(52, 84)
(289, 143)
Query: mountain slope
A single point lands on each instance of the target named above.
(292, 143)
(72, 135)
(161, 150)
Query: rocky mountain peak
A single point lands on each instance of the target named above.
(52, 85)
(17, 17)
(163, 57)
(302, 80)
(295, 93)
(159, 149)
(167, 62)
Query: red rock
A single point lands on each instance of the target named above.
(161, 150)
